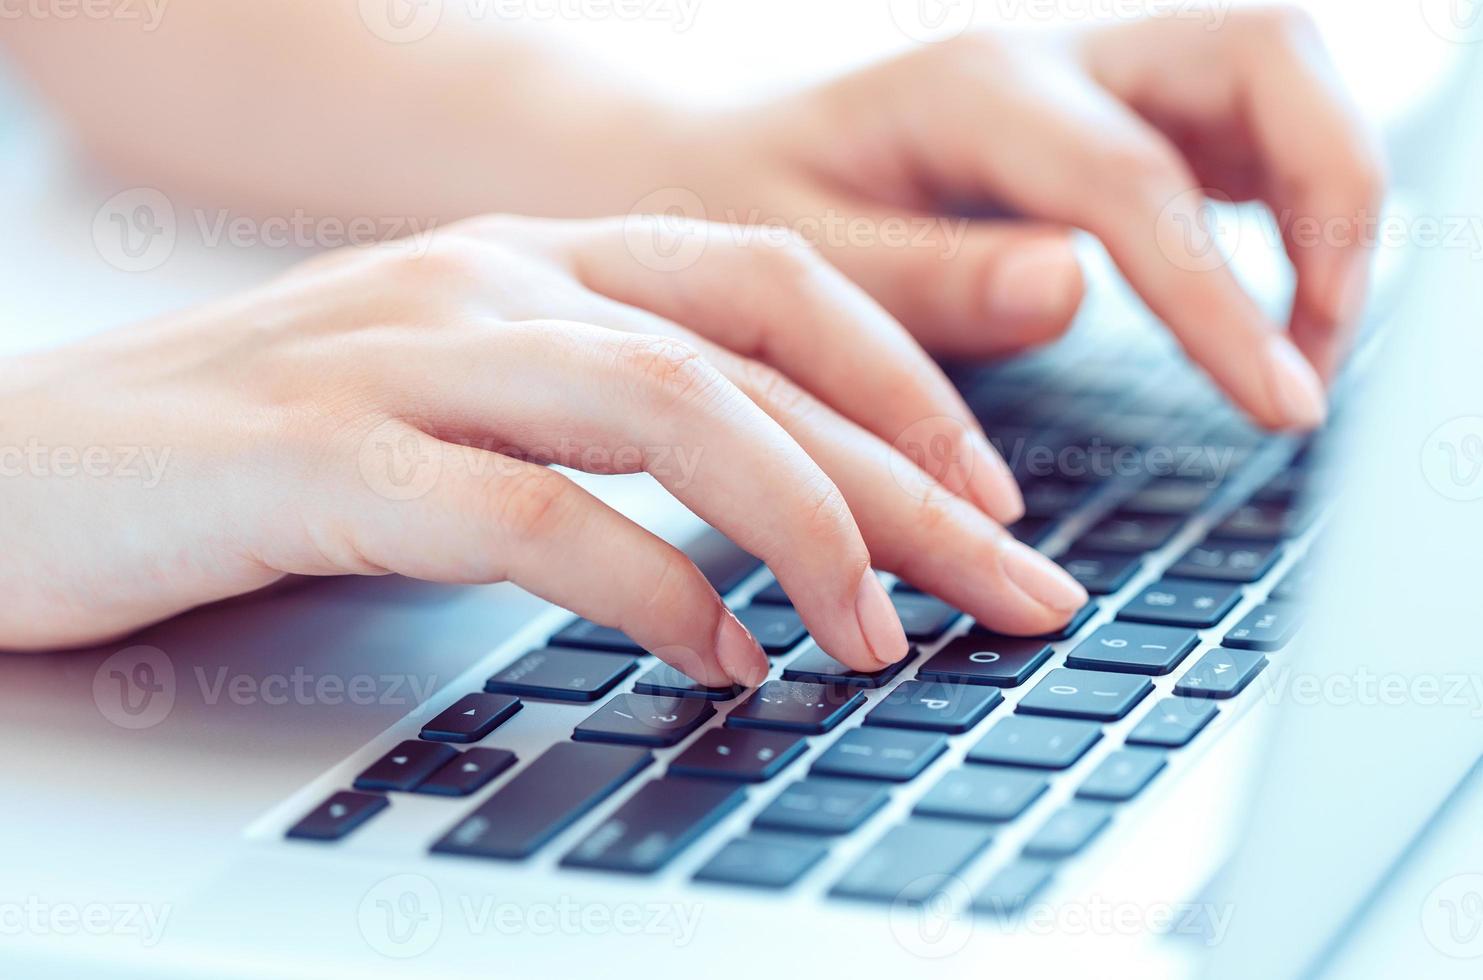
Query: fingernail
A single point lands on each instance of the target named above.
(1294, 385)
(740, 656)
(1038, 280)
(878, 621)
(1041, 579)
(990, 481)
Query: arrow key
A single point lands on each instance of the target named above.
(405, 767)
(468, 773)
(1221, 673)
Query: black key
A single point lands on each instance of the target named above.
(772, 595)
(338, 816)
(1091, 694)
(739, 754)
(562, 675)
(1068, 830)
(762, 862)
(1032, 531)
(1298, 580)
(1221, 674)
(823, 806)
(1130, 533)
(1072, 627)
(586, 635)
(793, 706)
(1267, 522)
(923, 617)
(1054, 498)
(467, 773)
(471, 717)
(1134, 648)
(719, 559)
(777, 628)
(1122, 775)
(1101, 572)
(1227, 561)
(951, 708)
(549, 795)
(654, 825)
(1168, 497)
(644, 719)
(666, 681)
(913, 861)
(1175, 602)
(405, 766)
(1010, 888)
(1270, 626)
(1039, 743)
(880, 753)
(1173, 722)
(817, 667)
(982, 793)
(983, 660)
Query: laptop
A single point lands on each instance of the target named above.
(381, 777)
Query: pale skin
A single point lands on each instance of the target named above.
(767, 357)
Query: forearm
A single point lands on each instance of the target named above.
(278, 105)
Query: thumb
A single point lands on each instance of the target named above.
(966, 287)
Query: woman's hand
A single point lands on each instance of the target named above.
(1117, 130)
(392, 409)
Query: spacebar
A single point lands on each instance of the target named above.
(562, 784)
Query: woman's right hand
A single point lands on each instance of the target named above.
(392, 410)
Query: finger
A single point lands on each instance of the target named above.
(607, 401)
(1082, 158)
(1324, 175)
(971, 288)
(768, 295)
(471, 516)
(914, 526)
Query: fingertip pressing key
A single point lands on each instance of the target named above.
(879, 623)
(1041, 579)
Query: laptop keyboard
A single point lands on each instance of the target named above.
(1185, 525)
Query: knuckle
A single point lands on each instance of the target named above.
(777, 395)
(669, 371)
(447, 258)
(531, 504)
